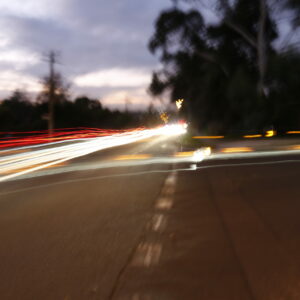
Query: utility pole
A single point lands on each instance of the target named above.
(261, 47)
(51, 58)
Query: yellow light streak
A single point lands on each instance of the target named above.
(209, 137)
(133, 157)
(237, 149)
(184, 154)
(294, 147)
(62, 164)
(270, 133)
(252, 136)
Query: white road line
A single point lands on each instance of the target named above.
(164, 203)
(147, 255)
(158, 222)
(171, 179)
(168, 190)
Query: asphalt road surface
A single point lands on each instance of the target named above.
(229, 229)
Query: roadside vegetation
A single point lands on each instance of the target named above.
(236, 64)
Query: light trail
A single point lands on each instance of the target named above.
(24, 163)
(206, 137)
(191, 167)
(237, 149)
(252, 136)
(15, 162)
(40, 138)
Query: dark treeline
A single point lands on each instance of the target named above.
(21, 113)
(237, 74)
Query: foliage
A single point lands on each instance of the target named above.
(20, 113)
(61, 89)
(230, 73)
(17, 107)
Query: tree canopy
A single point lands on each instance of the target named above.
(230, 72)
(19, 112)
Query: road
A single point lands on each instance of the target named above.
(90, 229)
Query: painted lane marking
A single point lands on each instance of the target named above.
(168, 190)
(171, 179)
(147, 255)
(164, 203)
(158, 222)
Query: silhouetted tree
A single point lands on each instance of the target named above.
(61, 89)
(16, 112)
(20, 113)
(222, 69)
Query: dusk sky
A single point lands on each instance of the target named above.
(103, 46)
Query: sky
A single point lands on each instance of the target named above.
(102, 45)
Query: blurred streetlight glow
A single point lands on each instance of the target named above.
(179, 103)
(270, 133)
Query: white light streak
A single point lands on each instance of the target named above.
(173, 129)
(201, 154)
(23, 163)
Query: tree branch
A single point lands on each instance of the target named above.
(242, 33)
(212, 59)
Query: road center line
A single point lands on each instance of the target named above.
(158, 222)
(165, 201)
(147, 254)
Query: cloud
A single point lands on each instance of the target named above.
(32, 8)
(103, 44)
(134, 99)
(18, 58)
(11, 80)
(116, 77)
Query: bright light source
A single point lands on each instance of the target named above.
(174, 129)
(270, 133)
(179, 103)
(164, 117)
(193, 167)
(198, 156)
(207, 151)
(201, 154)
